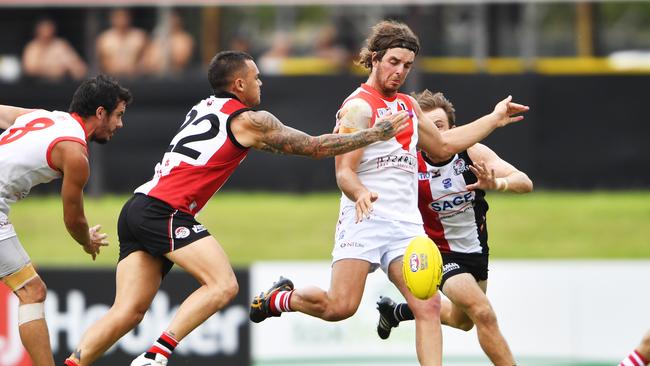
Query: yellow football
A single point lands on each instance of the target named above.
(422, 267)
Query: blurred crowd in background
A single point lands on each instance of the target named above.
(69, 43)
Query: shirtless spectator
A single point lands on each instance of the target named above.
(171, 48)
(120, 47)
(50, 57)
(326, 46)
(271, 61)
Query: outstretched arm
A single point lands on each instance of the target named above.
(441, 146)
(8, 115)
(263, 131)
(494, 173)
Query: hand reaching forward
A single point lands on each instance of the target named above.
(485, 178)
(97, 240)
(506, 111)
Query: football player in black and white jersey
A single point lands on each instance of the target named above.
(453, 207)
(157, 226)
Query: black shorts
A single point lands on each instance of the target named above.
(475, 264)
(155, 227)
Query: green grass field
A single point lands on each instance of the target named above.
(275, 226)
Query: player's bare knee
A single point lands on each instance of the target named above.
(484, 316)
(224, 291)
(133, 318)
(33, 292)
(337, 312)
(128, 315)
(128, 320)
(231, 290)
(426, 310)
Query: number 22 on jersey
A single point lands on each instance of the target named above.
(192, 140)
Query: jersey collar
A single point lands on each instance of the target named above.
(225, 94)
(81, 122)
(437, 165)
(369, 89)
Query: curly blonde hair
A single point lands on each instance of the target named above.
(385, 35)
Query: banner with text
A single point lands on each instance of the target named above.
(78, 298)
(551, 313)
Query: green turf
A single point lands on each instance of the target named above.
(273, 226)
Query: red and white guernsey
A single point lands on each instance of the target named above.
(389, 167)
(200, 158)
(25, 150)
(454, 218)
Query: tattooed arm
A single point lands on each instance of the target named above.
(263, 131)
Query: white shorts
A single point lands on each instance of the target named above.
(12, 256)
(377, 240)
(6, 228)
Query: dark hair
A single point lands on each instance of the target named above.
(223, 66)
(99, 91)
(429, 101)
(385, 35)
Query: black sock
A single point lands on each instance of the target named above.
(403, 312)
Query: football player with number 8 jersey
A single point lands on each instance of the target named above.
(157, 227)
(37, 147)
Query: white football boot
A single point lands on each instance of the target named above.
(160, 360)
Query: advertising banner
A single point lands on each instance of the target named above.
(555, 313)
(77, 298)
(11, 350)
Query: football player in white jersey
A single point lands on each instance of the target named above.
(157, 226)
(462, 235)
(641, 355)
(37, 147)
(378, 216)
